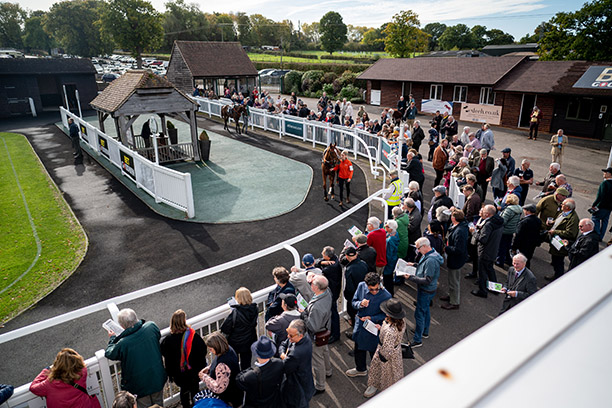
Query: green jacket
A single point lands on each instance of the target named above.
(567, 229)
(403, 223)
(142, 370)
(511, 216)
(548, 207)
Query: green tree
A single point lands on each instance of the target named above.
(403, 35)
(479, 34)
(225, 25)
(458, 36)
(245, 35)
(34, 35)
(311, 31)
(333, 32)
(133, 25)
(263, 29)
(498, 37)
(374, 39)
(583, 34)
(12, 17)
(435, 30)
(183, 21)
(355, 33)
(72, 25)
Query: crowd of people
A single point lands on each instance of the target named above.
(290, 364)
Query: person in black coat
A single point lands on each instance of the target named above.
(273, 303)
(456, 252)
(366, 253)
(241, 325)
(417, 135)
(586, 245)
(415, 169)
(296, 352)
(76, 143)
(145, 133)
(184, 373)
(354, 273)
(527, 237)
(262, 381)
(332, 270)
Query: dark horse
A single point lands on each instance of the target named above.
(235, 113)
(331, 158)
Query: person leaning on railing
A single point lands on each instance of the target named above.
(241, 325)
(64, 384)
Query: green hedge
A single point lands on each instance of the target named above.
(348, 58)
(303, 66)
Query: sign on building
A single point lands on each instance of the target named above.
(472, 112)
(433, 105)
(595, 77)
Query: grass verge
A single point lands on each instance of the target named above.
(63, 242)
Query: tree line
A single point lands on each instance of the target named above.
(95, 27)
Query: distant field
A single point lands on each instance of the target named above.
(61, 240)
(368, 54)
(287, 58)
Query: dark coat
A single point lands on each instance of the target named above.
(240, 327)
(333, 273)
(488, 238)
(418, 135)
(443, 200)
(368, 255)
(171, 350)
(415, 170)
(414, 228)
(232, 394)
(354, 273)
(456, 247)
(585, 247)
(471, 208)
(364, 340)
(567, 229)
(527, 237)
(489, 167)
(273, 303)
(262, 384)
(74, 131)
(298, 387)
(526, 285)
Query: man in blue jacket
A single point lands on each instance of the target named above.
(367, 300)
(426, 278)
(456, 251)
(296, 352)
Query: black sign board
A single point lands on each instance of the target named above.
(127, 165)
(596, 77)
(103, 143)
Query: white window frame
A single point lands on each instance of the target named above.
(485, 96)
(460, 88)
(434, 94)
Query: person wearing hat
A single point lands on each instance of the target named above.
(439, 199)
(510, 162)
(549, 207)
(602, 206)
(262, 381)
(527, 237)
(301, 278)
(565, 226)
(387, 366)
(534, 122)
(277, 325)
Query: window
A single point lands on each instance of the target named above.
(460, 94)
(487, 96)
(435, 92)
(579, 109)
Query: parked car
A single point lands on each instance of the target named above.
(109, 77)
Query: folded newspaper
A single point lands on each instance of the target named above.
(354, 231)
(495, 287)
(402, 268)
(371, 327)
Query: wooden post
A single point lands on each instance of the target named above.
(193, 123)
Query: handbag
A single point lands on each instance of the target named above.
(407, 352)
(322, 338)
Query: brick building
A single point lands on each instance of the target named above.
(513, 83)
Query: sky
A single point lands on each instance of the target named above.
(517, 17)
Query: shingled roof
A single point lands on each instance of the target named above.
(38, 66)
(477, 71)
(120, 90)
(557, 77)
(215, 59)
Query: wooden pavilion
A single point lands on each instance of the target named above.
(141, 92)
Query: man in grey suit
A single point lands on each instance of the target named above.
(520, 284)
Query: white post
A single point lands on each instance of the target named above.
(76, 94)
(113, 310)
(155, 147)
(66, 98)
(400, 143)
(32, 107)
(610, 158)
(106, 378)
(189, 193)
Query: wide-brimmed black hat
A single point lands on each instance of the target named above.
(393, 308)
(263, 348)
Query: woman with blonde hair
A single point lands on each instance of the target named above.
(184, 355)
(64, 384)
(240, 326)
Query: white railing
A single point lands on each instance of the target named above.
(104, 375)
(165, 185)
(360, 143)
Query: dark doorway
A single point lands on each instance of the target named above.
(529, 101)
(72, 99)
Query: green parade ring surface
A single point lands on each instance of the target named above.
(239, 183)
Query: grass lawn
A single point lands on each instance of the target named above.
(288, 58)
(62, 241)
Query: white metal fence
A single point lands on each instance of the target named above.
(360, 143)
(165, 185)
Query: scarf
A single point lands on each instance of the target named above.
(186, 349)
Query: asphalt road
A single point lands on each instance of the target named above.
(131, 247)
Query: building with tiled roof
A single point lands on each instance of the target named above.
(211, 65)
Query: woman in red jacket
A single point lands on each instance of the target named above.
(345, 175)
(65, 383)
